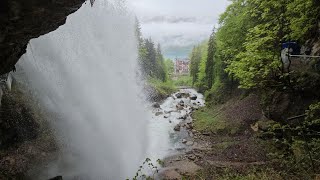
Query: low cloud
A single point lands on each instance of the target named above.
(178, 25)
(166, 19)
(177, 34)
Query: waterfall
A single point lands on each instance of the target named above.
(84, 75)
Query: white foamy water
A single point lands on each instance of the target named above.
(164, 141)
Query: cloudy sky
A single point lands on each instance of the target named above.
(177, 24)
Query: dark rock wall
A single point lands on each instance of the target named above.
(22, 20)
(17, 120)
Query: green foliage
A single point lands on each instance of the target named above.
(212, 119)
(169, 67)
(184, 80)
(195, 58)
(251, 33)
(210, 62)
(314, 112)
(208, 121)
(218, 94)
(260, 55)
(298, 145)
(248, 42)
(303, 17)
(162, 88)
(201, 83)
(151, 60)
(198, 66)
(265, 174)
(207, 65)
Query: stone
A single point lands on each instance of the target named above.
(191, 134)
(156, 105)
(179, 95)
(170, 174)
(159, 113)
(186, 167)
(192, 157)
(184, 141)
(179, 107)
(177, 127)
(166, 116)
(189, 126)
(193, 97)
(183, 117)
(57, 178)
(189, 143)
(206, 134)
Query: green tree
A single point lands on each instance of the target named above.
(195, 58)
(209, 67)
(169, 66)
(201, 82)
(160, 66)
(260, 60)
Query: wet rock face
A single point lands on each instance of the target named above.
(1, 93)
(17, 121)
(22, 20)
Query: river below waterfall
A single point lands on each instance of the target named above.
(170, 126)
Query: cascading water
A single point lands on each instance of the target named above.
(84, 76)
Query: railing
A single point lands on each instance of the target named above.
(305, 56)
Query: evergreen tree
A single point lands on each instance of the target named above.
(195, 59)
(210, 61)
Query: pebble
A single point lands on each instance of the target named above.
(177, 127)
(192, 157)
(189, 143)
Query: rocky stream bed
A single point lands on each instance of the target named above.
(174, 116)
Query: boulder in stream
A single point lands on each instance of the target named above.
(179, 107)
(159, 113)
(156, 105)
(183, 117)
(178, 95)
(191, 134)
(189, 143)
(193, 97)
(177, 127)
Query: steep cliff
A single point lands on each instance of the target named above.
(22, 20)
